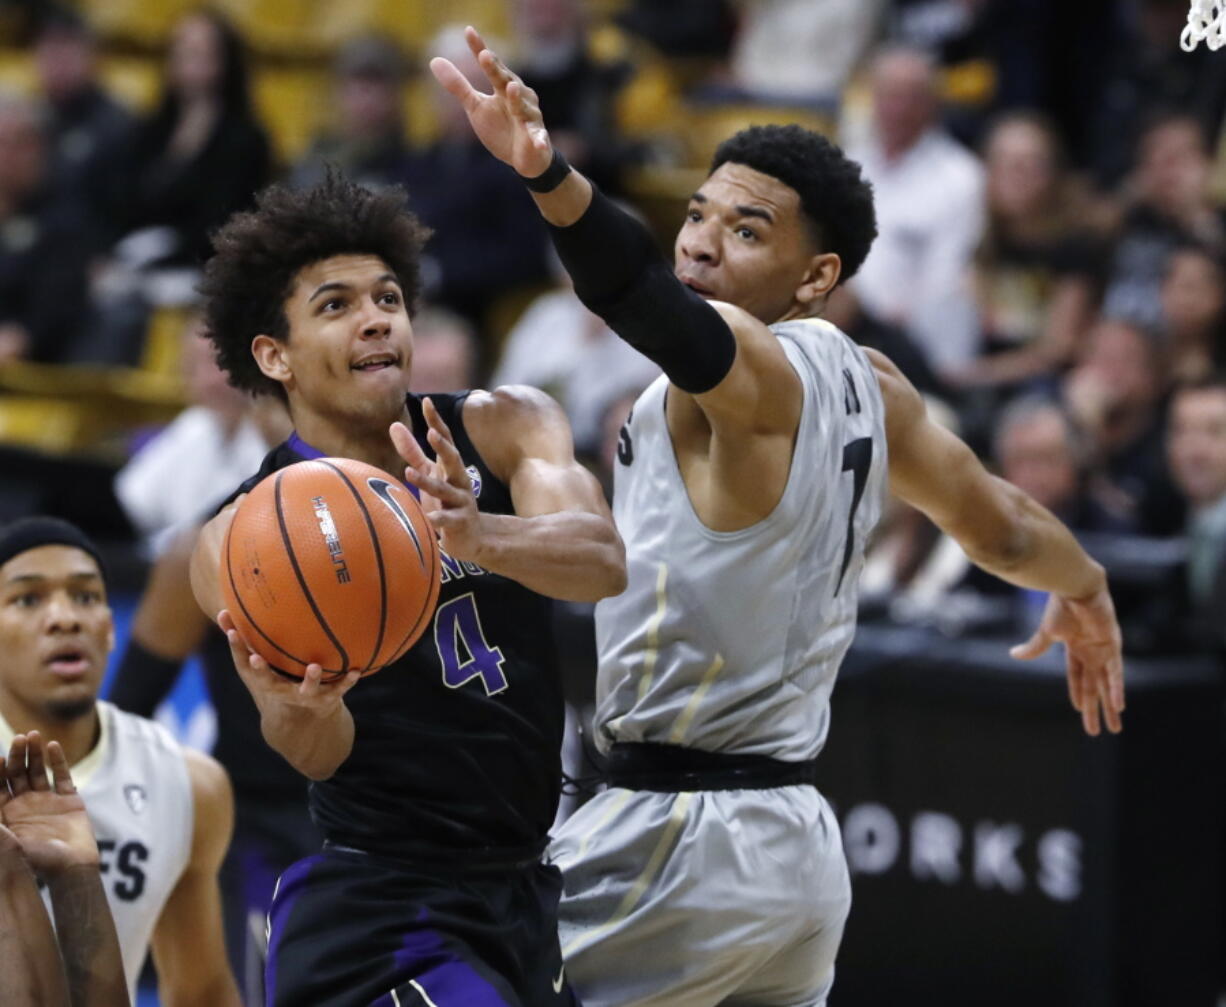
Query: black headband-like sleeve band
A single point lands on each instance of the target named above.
(620, 275)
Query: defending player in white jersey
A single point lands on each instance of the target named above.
(162, 814)
(711, 872)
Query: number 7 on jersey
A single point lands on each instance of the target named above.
(857, 459)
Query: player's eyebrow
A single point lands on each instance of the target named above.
(755, 211)
(744, 211)
(325, 288)
(38, 578)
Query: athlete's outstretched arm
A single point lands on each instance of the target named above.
(58, 842)
(189, 949)
(723, 356)
(561, 541)
(1006, 532)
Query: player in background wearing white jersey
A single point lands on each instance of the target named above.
(162, 814)
(45, 835)
(711, 871)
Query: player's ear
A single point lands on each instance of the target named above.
(271, 358)
(821, 274)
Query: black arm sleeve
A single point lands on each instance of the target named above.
(142, 680)
(621, 276)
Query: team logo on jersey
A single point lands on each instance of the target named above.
(475, 475)
(136, 797)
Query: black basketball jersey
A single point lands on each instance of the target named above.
(456, 751)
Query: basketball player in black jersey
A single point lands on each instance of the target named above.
(436, 780)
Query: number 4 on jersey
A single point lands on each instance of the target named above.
(463, 649)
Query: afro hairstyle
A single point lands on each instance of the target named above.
(258, 254)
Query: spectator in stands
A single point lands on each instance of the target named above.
(1039, 450)
(929, 197)
(202, 154)
(1169, 205)
(87, 128)
(367, 139)
(682, 29)
(445, 352)
(183, 472)
(1196, 446)
(43, 261)
(797, 52)
(1114, 395)
(1036, 448)
(1194, 311)
(553, 59)
(561, 347)
(1034, 269)
(1142, 69)
(488, 238)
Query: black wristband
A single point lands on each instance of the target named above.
(551, 177)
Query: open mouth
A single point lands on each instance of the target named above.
(379, 362)
(69, 662)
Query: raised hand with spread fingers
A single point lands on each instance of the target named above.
(47, 819)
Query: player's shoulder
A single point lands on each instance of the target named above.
(509, 421)
(904, 406)
(510, 404)
(209, 780)
(212, 808)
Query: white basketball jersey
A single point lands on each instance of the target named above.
(138, 795)
(730, 641)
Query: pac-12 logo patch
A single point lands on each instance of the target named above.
(136, 797)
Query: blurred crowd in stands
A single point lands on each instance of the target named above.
(1050, 269)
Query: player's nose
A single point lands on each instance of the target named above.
(62, 614)
(699, 243)
(375, 323)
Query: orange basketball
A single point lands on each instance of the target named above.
(330, 561)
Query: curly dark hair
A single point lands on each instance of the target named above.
(259, 252)
(834, 196)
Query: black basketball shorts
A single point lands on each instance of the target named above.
(348, 929)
